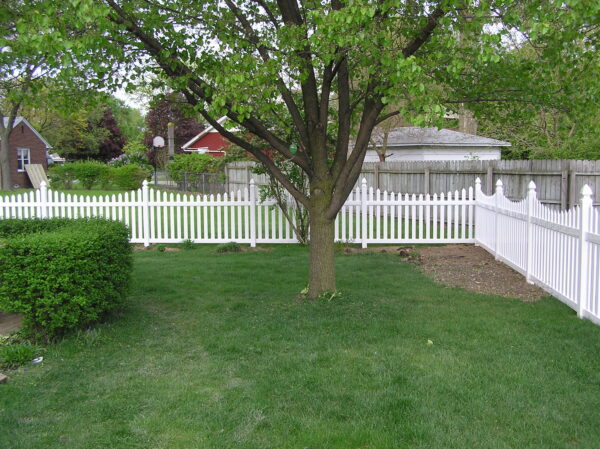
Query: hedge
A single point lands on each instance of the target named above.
(15, 227)
(88, 173)
(63, 274)
(92, 173)
(129, 177)
(193, 163)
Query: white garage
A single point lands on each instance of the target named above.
(431, 144)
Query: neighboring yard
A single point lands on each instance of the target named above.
(212, 351)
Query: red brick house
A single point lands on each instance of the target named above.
(208, 141)
(27, 146)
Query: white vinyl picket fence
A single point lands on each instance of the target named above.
(155, 216)
(557, 250)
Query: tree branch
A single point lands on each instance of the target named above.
(425, 33)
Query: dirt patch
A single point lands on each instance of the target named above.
(473, 268)
(404, 252)
(9, 323)
(463, 266)
(249, 249)
(167, 249)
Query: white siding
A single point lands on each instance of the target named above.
(437, 154)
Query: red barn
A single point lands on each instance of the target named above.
(208, 141)
(27, 146)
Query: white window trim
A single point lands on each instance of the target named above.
(28, 159)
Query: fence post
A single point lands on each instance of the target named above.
(490, 178)
(531, 198)
(252, 213)
(584, 224)
(43, 200)
(478, 193)
(363, 213)
(499, 192)
(146, 213)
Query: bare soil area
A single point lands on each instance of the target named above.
(473, 268)
(464, 266)
(9, 323)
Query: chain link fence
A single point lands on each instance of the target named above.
(203, 183)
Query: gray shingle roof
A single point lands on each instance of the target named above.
(416, 136)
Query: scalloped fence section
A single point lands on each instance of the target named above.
(557, 250)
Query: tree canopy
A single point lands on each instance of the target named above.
(312, 79)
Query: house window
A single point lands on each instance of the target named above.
(23, 158)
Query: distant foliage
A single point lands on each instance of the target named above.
(171, 108)
(193, 163)
(87, 173)
(112, 146)
(124, 174)
(128, 177)
(68, 277)
(61, 176)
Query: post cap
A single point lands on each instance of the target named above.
(531, 185)
(43, 184)
(499, 183)
(145, 183)
(586, 190)
(252, 181)
(364, 181)
(477, 180)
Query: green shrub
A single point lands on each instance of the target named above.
(161, 248)
(129, 177)
(13, 355)
(61, 176)
(67, 277)
(188, 244)
(192, 163)
(17, 227)
(230, 247)
(88, 173)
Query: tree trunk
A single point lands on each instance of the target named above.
(322, 255)
(5, 175)
(321, 276)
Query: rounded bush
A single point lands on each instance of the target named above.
(129, 177)
(65, 276)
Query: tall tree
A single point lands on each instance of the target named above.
(324, 71)
(171, 108)
(21, 70)
(112, 145)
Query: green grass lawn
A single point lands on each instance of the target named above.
(212, 351)
(84, 192)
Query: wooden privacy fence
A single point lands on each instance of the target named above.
(558, 181)
(557, 250)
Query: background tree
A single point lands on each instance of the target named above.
(22, 71)
(171, 108)
(95, 129)
(112, 146)
(325, 71)
(130, 120)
